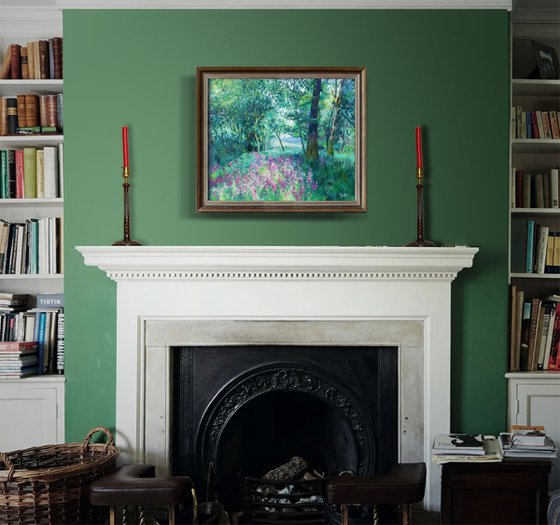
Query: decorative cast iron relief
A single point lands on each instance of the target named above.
(288, 379)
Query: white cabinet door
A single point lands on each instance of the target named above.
(539, 404)
(32, 414)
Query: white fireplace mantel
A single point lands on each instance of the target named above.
(169, 296)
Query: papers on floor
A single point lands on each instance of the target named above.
(465, 448)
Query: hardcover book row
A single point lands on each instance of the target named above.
(535, 248)
(538, 190)
(534, 124)
(31, 339)
(29, 173)
(32, 247)
(41, 59)
(31, 115)
(534, 332)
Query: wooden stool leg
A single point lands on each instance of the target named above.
(344, 510)
(112, 516)
(171, 514)
(406, 513)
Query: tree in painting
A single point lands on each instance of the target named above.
(281, 139)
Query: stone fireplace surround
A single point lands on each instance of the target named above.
(184, 296)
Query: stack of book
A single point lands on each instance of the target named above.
(465, 448)
(527, 442)
(41, 59)
(18, 359)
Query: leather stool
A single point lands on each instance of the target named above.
(135, 485)
(403, 486)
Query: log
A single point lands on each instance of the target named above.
(293, 470)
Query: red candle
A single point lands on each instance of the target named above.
(125, 146)
(418, 147)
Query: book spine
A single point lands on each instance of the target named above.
(43, 59)
(21, 112)
(3, 117)
(529, 246)
(57, 57)
(30, 172)
(15, 64)
(19, 174)
(546, 125)
(4, 185)
(542, 247)
(554, 127)
(60, 344)
(11, 174)
(554, 187)
(526, 190)
(539, 190)
(32, 110)
(11, 115)
(24, 63)
(535, 314)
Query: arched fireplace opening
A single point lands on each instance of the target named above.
(248, 410)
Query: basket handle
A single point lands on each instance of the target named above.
(9, 465)
(110, 438)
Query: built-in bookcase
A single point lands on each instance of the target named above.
(35, 404)
(534, 163)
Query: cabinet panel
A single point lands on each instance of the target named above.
(538, 403)
(33, 414)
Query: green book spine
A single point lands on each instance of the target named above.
(29, 173)
(4, 190)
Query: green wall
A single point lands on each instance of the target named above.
(445, 70)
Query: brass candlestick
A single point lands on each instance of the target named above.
(420, 211)
(127, 241)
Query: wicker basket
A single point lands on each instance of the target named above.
(50, 484)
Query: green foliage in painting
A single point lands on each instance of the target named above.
(285, 139)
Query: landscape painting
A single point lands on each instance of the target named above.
(282, 139)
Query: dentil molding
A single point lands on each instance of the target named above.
(291, 263)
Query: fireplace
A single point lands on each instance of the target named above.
(170, 297)
(245, 410)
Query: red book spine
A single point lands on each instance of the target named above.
(519, 189)
(554, 359)
(15, 66)
(57, 57)
(535, 125)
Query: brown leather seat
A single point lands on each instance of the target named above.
(135, 485)
(404, 485)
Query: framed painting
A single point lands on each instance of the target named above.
(281, 139)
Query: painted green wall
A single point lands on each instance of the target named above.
(445, 70)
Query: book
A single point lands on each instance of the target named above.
(57, 46)
(554, 187)
(5, 67)
(538, 193)
(533, 327)
(11, 115)
(30, 172)
(18, 346)
(15, 66)
(527, 435)
(24, 63)
(492, 452)
(463, 444)
(529, 246)
(526, 193)
(554, 127)
(541, 251)
(50, 164)
(546, 125)
(44, 59)
(50, 300)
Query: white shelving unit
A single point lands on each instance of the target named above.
(33, 405)
(534, 397)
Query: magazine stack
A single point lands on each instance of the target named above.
(18, 359)
(527, 442)
(465, 448)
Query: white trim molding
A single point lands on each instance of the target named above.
(265, 4)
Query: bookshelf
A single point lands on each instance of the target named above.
(533, 394)
(531, 159)
(34, 404)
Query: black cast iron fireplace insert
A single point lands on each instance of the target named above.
(248, 409)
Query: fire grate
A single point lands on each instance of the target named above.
(294, 502)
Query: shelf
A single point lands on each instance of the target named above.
(535, 145)
(535, 211)
(534, 87)
(30, 87)
(31, 140)
(28, 276)
(46, 378)
(31, 202)
(535, 275)
(536, 374)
